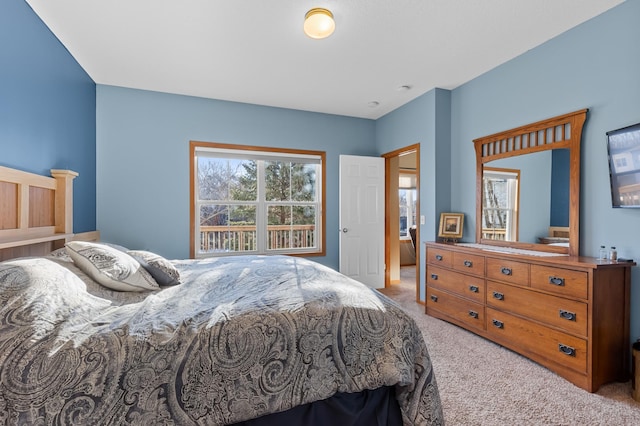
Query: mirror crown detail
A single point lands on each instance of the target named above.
(564, 131)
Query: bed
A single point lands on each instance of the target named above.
(558, 235)
(92, 333)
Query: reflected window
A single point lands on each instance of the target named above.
(500, 204)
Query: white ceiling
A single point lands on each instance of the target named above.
(255, 51)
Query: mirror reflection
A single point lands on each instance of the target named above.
(525, 198)
(547, 156)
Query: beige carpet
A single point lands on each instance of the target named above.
(482, 383)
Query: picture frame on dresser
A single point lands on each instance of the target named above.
(451, 226)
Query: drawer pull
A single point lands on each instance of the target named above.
(434, 277)
(473, 314)
(434, 297)
(497, 323)
(497, 295)
(567, 350)
(468, 263)
(438, 257)
(571, 316)
(473, 288)
(556, 281)
(505, 270)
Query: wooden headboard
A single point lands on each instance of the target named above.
(559, 231)
(36, 212)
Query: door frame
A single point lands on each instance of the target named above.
(387, 208)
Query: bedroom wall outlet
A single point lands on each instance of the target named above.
(422, 221)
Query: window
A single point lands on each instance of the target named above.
(407, 196)
(500, 204)
(256, 200)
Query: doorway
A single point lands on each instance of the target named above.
(402, 216)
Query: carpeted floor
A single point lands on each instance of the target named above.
(482, 383)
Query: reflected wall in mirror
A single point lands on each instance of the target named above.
(543, 180)
(528, 185)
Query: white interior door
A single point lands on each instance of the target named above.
(362, 219)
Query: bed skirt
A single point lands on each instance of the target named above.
(377, 407)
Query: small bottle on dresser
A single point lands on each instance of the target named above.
(603, 253)
(613, 254)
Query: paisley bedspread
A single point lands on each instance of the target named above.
(239, 338)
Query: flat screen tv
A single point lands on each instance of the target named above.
(623, 146)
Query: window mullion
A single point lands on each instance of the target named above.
(261, 209)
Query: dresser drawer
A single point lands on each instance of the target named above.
(565, 282)
(440, 257)
(468, 263)
(464, 285)
(569, 315)
(463, 310)
(508, 270)
(561, 348)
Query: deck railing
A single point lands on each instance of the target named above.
(244, 238)
(494, 233)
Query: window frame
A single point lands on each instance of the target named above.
(248, 149)
(412, 198)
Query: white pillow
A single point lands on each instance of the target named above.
(160, 268)
(111, 267)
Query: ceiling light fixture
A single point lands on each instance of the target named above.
(319, 23)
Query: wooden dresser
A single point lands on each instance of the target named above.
(569, 314)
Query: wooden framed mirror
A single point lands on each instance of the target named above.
(540, 210)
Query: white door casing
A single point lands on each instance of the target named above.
(362, 219)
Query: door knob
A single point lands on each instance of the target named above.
(345, 230)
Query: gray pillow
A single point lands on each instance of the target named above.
(110, 267)
(160, 268)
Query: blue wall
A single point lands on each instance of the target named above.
(595, 65)
(48, 115)
(143, 159)
(425, 120)
(560, 178)
(47, 107)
